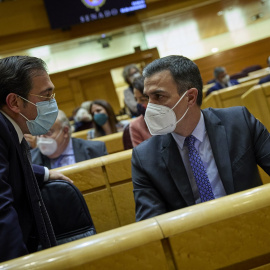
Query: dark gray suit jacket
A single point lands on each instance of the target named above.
(83, 150)
(239, 142)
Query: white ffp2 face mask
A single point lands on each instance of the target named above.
(161, 119)
(47, 146)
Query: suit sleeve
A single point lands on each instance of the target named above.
(39, 172)
(148, 200)
(261, 141)
(11, 243)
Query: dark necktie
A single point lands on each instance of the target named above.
(199, 171)
(43, 223)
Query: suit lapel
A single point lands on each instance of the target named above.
(218, 140)
(79, 151)
(173, 161)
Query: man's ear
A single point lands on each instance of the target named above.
(66, 130)
(192, 96)
(13, 102)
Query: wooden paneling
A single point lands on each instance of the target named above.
(24, 24)
(94, 81)
(236, 59)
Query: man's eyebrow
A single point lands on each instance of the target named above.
(47, 90)
(154, 92)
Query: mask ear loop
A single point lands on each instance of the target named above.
(185, 111)
(179, 100)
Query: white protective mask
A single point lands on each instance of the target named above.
(226, 79)
(47, 146)
(161, 119)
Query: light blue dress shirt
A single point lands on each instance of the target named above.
(66, 158)
(202, 144)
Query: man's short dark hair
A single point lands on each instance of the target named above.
(184, 72)
(16, 73)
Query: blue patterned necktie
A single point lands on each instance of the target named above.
(199, 171)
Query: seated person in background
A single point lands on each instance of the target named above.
(32, 140)
(138, 129)
(130, 72)
(222, 80)
(266, 78)
(199, 155)
(104, 120)
(82, 120)
(57, 148)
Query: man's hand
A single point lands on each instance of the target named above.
(54, 175)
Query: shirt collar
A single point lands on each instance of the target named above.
(69, 149)
(199, 133)
(15, 125)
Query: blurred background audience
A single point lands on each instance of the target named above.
(104, 119)
(130, 72)
(222, 80)
(138, 128)
(266, 78)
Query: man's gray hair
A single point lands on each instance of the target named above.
(64, 121)
(218, 70)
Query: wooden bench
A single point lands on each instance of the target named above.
(113, 142)
(229, 233)
(106, 185)
(228, 97)
(257, 100)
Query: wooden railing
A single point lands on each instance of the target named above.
(227, 233)
(107, 188)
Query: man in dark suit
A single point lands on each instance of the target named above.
(26, 96)
(57, 148)
(222, 80)
(266, 78)
(226, 143)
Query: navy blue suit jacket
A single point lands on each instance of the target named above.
(17, 226)
(83, 150)
(265, 79)
(239, 142)
(218, 86)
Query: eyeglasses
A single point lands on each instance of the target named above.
(50, 97)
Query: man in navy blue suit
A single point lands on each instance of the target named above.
(266, 78)
(27, 105)
(228, 143)
(222, 80)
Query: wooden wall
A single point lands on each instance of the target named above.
(94, 81)
(235, 59)
(24, 24)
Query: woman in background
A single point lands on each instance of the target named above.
(104, 119)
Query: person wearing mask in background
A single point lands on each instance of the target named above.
(137, 127)
(82, 120)
(197, 155)
(104, 120)
(57, 148)
(222, 80)
(130, 72)
(27, 106)
(266, 78)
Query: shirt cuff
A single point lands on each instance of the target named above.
(46, 174)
